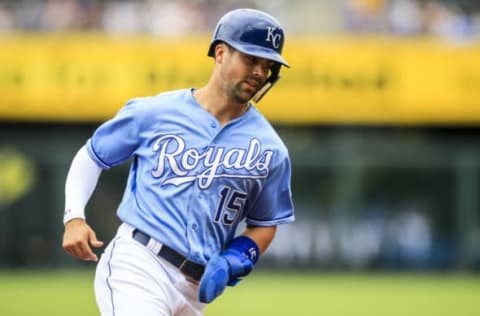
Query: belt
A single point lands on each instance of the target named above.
(187, 267)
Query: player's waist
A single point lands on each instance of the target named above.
(190, 269)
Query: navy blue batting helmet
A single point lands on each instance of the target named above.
(254, 33)
(251, 32)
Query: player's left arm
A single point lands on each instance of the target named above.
(272, 207)
(262, 236)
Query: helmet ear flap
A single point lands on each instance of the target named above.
(274, 73)
(274, 76)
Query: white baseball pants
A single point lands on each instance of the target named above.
(132, 281)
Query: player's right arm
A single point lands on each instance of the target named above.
(81, 181)
(113, 143)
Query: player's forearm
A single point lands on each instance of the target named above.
(262, 236)
(81, 182)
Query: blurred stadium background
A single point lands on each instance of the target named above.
(380, 111)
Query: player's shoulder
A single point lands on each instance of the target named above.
(151, 106)
(267, 132)
(163, 98)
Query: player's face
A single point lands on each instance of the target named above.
(243, 75)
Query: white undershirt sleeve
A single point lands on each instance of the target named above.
(81, 181)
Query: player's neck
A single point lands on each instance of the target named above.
(219, 106)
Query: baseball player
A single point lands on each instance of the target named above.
(203, 161)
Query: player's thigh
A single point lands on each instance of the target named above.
(129, 281)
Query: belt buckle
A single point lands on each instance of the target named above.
(182, 265)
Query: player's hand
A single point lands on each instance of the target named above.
(222, 270)
(78, 239)
(214, 280)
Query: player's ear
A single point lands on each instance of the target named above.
(220, 50)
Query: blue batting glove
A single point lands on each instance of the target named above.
(222, 270)
(227, 267)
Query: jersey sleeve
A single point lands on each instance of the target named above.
(274, 205)
(116, 140)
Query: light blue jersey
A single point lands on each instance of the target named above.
(193, 181)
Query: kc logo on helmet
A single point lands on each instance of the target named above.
(273, 37)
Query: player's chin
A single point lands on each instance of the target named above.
(243, 92)
(249, 91)
(243, 96)
(246, 97)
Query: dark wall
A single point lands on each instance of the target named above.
(366, 198)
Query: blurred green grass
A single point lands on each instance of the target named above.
(65, 292)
